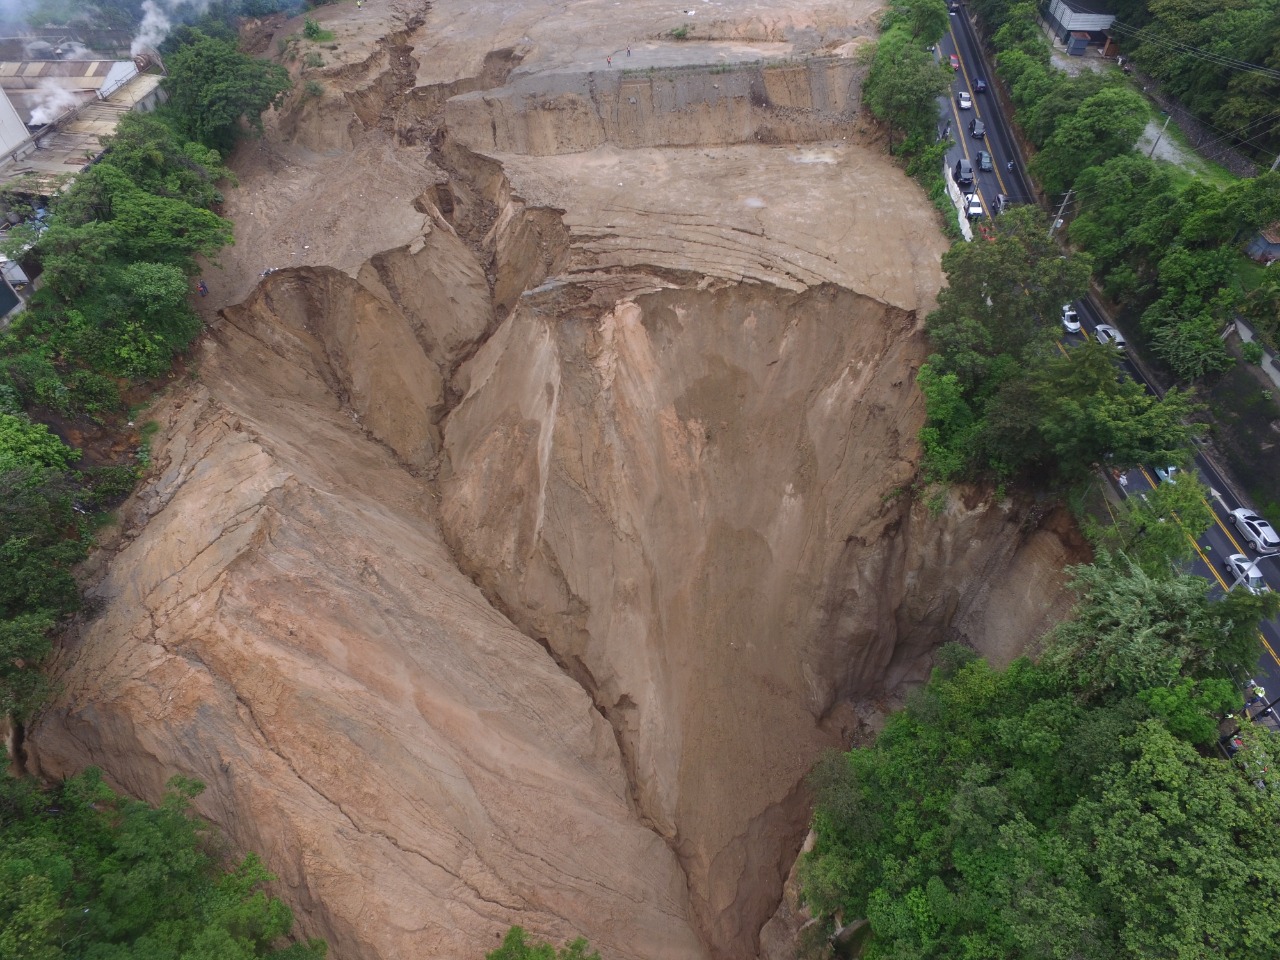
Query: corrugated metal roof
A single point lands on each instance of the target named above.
(81, 73)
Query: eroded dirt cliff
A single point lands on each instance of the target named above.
(517, 544)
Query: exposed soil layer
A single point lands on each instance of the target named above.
(518, 541)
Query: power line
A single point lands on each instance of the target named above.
(1230, 63)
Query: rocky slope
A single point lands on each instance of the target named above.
(520, 542)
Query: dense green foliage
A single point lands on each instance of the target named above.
(515, 947)
(1158, 528)
(87, 873)
(1002, 400)
(1165, 252)
(1177, 44)
(905, 80)
(118, 255)
(1162, 246)
(213, 88)
(1062, 808)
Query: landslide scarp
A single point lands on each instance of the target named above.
(546, 508)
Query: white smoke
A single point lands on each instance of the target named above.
(154, 28)
(75, 50)
(54, 102)
(158, 17)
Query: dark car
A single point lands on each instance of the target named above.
(979, 85)
(963, 172)
(977, 128)
(984, 160)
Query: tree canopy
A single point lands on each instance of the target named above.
(1062, 809)
(213, 88)
(516, 947)
(1002, 400)
(904, 83)
(85, 872)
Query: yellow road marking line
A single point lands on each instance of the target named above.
(973, 97)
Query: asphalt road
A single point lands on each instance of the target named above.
(1222, 539)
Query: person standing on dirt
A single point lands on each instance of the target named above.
(202, 288)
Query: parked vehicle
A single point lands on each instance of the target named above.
(1245, 572)
(973, 207)
(1260, 534)
(963, 172)
(1108, 334)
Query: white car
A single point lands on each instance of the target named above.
(1070, 319)
(1167, 474)
(973, 206)
(1245, 572)
(1108, 334)
(964, 101)
(1260, 534)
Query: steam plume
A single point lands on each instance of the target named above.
(154, 28)
(54, 102)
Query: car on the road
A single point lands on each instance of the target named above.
(1070, 319)
(977, 128)
(1167, 474)
(963, 100)
(979, 85)
(1245, 572)
(955, 63)
(984, 161)
(973, 207)
(963, 172)
(1259, 534)
(1108, 334)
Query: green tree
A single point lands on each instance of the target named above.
(928, 19)
(1058, 810)
(158, 160)
(904, 84)
(1105, 125)
(24, 643)
(1073, 413)
(1158, 529)
(24, 444)
(1132, 630)
(1004, 298)
(115, 879)
(1191, 347)
(515, 947)
(213, 88)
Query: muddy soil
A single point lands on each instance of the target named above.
(541, 502)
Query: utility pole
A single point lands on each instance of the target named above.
(1160, 135)
(1058, 217)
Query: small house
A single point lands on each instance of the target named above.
(1265, 246)
(1077, 27)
